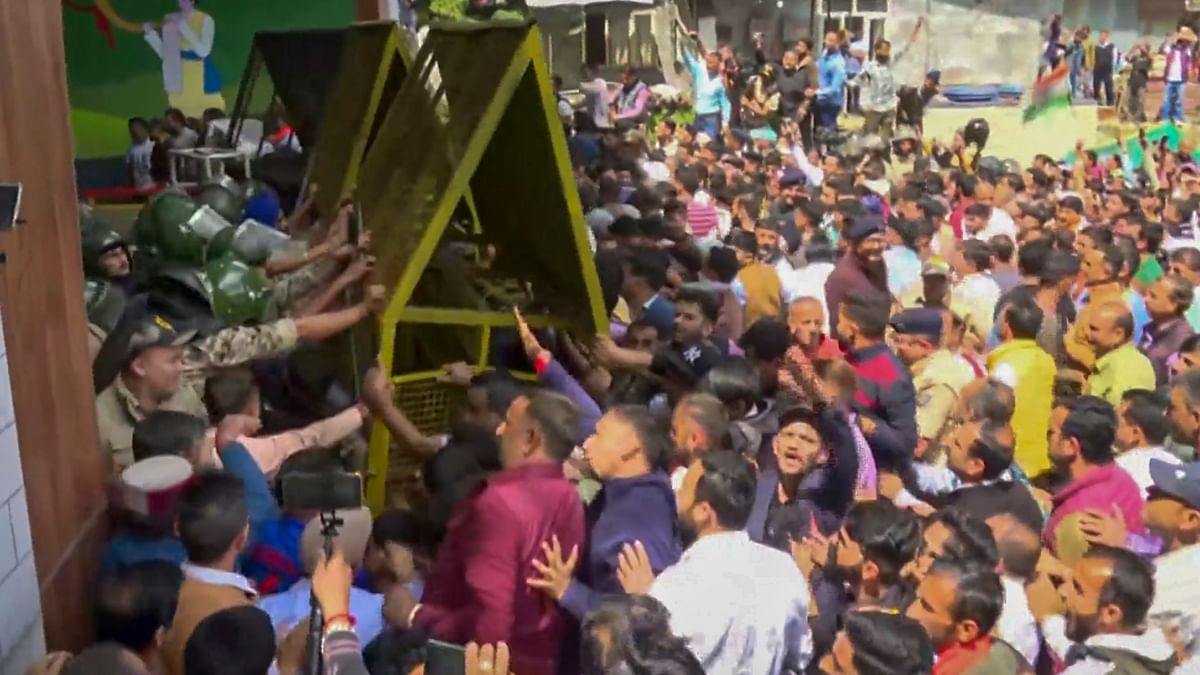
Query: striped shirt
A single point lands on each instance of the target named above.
(702, 219)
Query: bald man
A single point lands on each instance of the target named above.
(806, 321)
(1119, 365)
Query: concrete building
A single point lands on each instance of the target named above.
(970, 41)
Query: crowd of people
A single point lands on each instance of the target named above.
(861, 410)
(1094, 64)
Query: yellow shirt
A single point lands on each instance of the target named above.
(1120, 370)
(1030, 371)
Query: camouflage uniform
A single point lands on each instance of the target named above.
(117, 411)
(289, 288)
(235, 346)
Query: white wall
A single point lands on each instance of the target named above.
(21, 638)
(970, 41)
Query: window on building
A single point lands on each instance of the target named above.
(643, 48)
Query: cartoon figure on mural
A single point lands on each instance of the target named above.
(185, 43)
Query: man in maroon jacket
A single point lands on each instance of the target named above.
(477, 588)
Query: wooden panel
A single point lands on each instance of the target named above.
(42, 301)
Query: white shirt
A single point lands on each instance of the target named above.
(1136, 463)
(999, 223)
(742, 606)
(1017, 625)
(975, 298)
(1177, 596)
(1174, 67)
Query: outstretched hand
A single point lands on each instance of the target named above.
(556, 572)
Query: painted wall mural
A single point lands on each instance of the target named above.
(136, 58)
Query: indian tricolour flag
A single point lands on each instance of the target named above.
(1051, 92)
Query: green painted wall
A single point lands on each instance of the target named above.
(110, 85)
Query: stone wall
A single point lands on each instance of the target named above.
(21, 638)
(971, 41)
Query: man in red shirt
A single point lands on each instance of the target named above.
(477, 590)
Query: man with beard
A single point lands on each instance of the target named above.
(758, 285)
(476, 590)
(1082, 433)
(959, 604)
(1107, 601)
(938, 375)
(629, 454)
(859, 567)
(798, 75)
(955, 536)
(699, 425)
(886, 400)
(879, 99)
(106, 256)
(980, 454)
(630, 106)
(813, 486)
(862, 270)
(774, 236)
(742, 606)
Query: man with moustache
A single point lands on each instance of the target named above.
(938, 374)
(862, 270)
(813, 486)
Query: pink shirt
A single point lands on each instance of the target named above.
(269, 452)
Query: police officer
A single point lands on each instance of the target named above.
(938, 374)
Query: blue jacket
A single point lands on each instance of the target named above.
(823, 496)
(260, 503)
(624, 511)
(831, 72)
(127, 549)
(273, 562)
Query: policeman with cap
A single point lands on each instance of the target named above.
(934, 290)
(938, 374)
(150, 378)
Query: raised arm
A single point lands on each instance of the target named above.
(201, 44)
